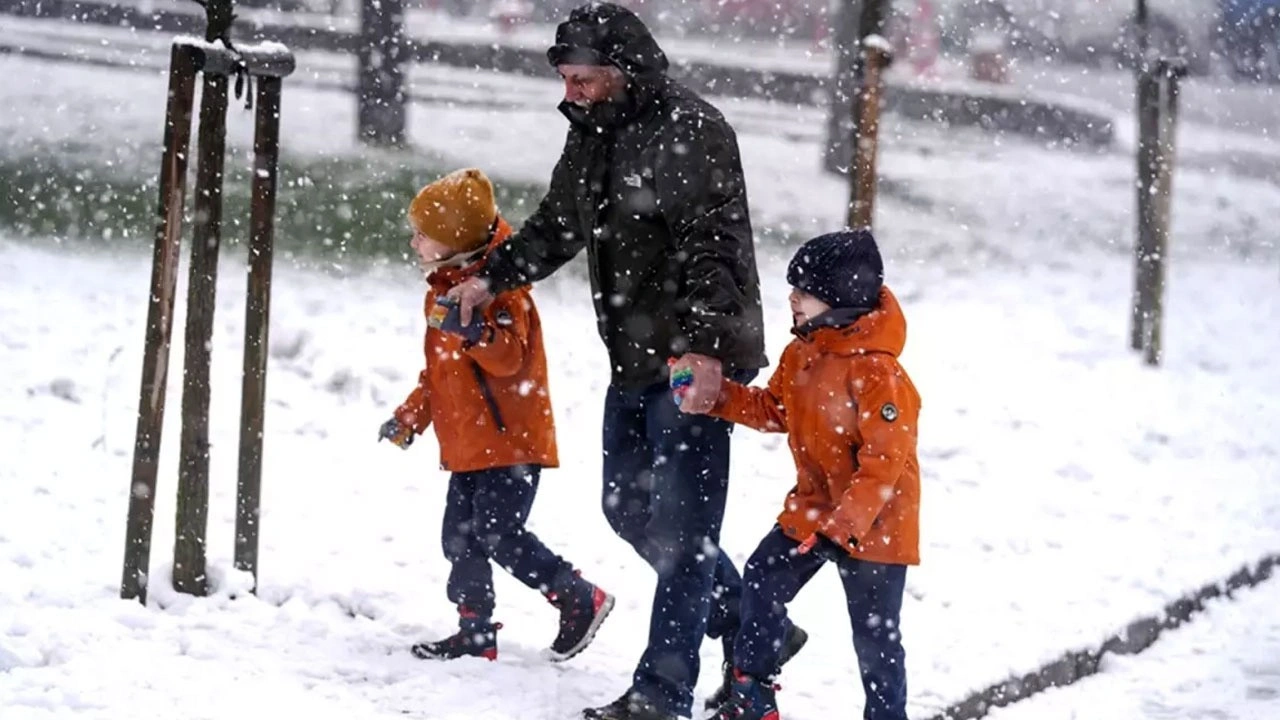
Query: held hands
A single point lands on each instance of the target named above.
(400, 435)
(471, 294)
(695, 382)
(447, 316)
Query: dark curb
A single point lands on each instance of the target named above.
(1026, 115)
(1075, 665)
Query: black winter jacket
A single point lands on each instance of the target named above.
(652, 186)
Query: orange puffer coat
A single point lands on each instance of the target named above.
(849, 411)
(489, 402)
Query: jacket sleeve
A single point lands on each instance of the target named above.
(888, 409)
(701, 194)
(415, 412)
(505, 340)
(758, 408)
(547, 240)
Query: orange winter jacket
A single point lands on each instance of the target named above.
(489, 402)
(849, 411)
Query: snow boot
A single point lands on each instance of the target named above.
(583, 609)
(631, 706)
(475, 638)
(791, 645)
(749, 699)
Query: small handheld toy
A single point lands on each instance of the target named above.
(681, 380)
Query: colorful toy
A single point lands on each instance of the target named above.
(680, 381)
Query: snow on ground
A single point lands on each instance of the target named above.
(1067, 489)
(1225, 665)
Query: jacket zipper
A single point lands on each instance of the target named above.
(489, 400)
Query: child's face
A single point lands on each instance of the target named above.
(805, 307)
(429, 251)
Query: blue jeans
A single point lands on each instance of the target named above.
(484, 518)
(873, 592)
(666, 478)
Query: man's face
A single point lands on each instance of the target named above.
(585, 85)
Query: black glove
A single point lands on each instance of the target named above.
(400, 435)
(452, 321)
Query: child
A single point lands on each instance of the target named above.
(485, 390)
(849, 411)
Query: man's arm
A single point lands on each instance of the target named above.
(547, 240)
(702, 196)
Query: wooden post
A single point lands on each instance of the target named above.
(862, 185)
(837, 156)
(1144, 245)
(193, 471)
(155, 359)
(381, 100)
(1170, 75)
(266, 151)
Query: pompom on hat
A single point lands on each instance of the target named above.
(458, 210)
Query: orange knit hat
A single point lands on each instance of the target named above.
(457, 210)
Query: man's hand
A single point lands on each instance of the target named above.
(702, 393)
(471, 294)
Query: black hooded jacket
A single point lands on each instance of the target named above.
(652, 186)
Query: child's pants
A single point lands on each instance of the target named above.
(873, 591)
(484, 518)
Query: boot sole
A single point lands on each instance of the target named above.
(596, 622)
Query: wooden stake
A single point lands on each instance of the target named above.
(155, 358)
(266, 150)
(193, 471)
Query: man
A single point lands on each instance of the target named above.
(651, 184)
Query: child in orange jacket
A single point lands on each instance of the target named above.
(485, 391)
(849, 411)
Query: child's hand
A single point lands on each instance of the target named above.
(705, 376)
(448, 317)
(400, 435)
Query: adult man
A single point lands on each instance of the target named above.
(650, 183)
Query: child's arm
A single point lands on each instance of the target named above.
(888, 408)
(755, 407)
(504, 339)
(415, 412)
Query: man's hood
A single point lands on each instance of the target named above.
(599, 33)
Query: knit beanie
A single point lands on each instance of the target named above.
(842, 269)
(458, 210)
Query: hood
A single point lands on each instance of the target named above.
(883, 330)
(601, 33)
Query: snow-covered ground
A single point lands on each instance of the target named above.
(1068, 488)
(1225, 665)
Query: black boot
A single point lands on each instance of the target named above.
(475, 638)
(631, 706)
(791, 645)
(583, 609)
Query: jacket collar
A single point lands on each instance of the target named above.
(856, 331)
(463, 265)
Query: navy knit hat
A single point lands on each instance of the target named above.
(842, 269)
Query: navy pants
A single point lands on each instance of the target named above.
(666, 477)
(873, 591)
(484, 518)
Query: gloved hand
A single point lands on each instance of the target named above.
(447, 316)
(680, 382)
(400, 435)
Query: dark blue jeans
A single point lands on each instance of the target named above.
(666, 477)
(484, 518)
(873, 591)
